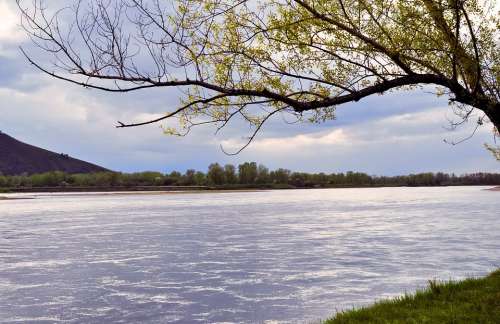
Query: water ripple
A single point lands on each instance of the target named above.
(267, 257)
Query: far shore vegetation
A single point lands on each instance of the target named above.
(468, 301)
(248, 175)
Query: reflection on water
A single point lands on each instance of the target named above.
(288, 256)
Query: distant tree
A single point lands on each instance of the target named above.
(49, 179)
(114, 178)
(215, 174)
(218, 176)
(247, 172)
(441, 179)
(299, 179)
(4, 182)
(263, 174)
(356, 178)
(172, 179)
(230, 174)
(335, 179)
(280, 176)
(189, 177)
(79, 180)
(200, 179)
(258, 59)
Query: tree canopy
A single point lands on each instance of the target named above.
(249, 176)
(258, 58)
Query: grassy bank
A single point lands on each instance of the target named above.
(467, 301)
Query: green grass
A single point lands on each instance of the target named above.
(467, 301)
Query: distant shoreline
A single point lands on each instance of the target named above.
(15, 198)
(186, 189)
(248, 176)
(126, 193)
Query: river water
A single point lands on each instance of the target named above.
(284, 256)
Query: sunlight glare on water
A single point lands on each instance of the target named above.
(284, 256)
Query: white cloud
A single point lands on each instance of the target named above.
(387, 134)
(293, 143)
(404, 143)
(10, 31)
(8, 27)
(404, 127)
(65, 118)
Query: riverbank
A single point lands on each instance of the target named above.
(475, 300)
(222, 188)
(83, 189)
(217, 178)
(14, 198)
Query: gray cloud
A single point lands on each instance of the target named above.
(392, 134)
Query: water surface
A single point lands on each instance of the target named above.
(287, 256)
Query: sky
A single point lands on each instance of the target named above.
(398, 133)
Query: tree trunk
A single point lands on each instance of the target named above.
(493, 114)
(495, 119)
(489, 106)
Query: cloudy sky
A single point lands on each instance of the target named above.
(393, 134)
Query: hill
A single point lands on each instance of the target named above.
(17, 158)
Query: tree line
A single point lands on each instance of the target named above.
(245, 175)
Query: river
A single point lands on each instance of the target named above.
(283, 256)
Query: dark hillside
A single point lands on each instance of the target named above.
(17, 158)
